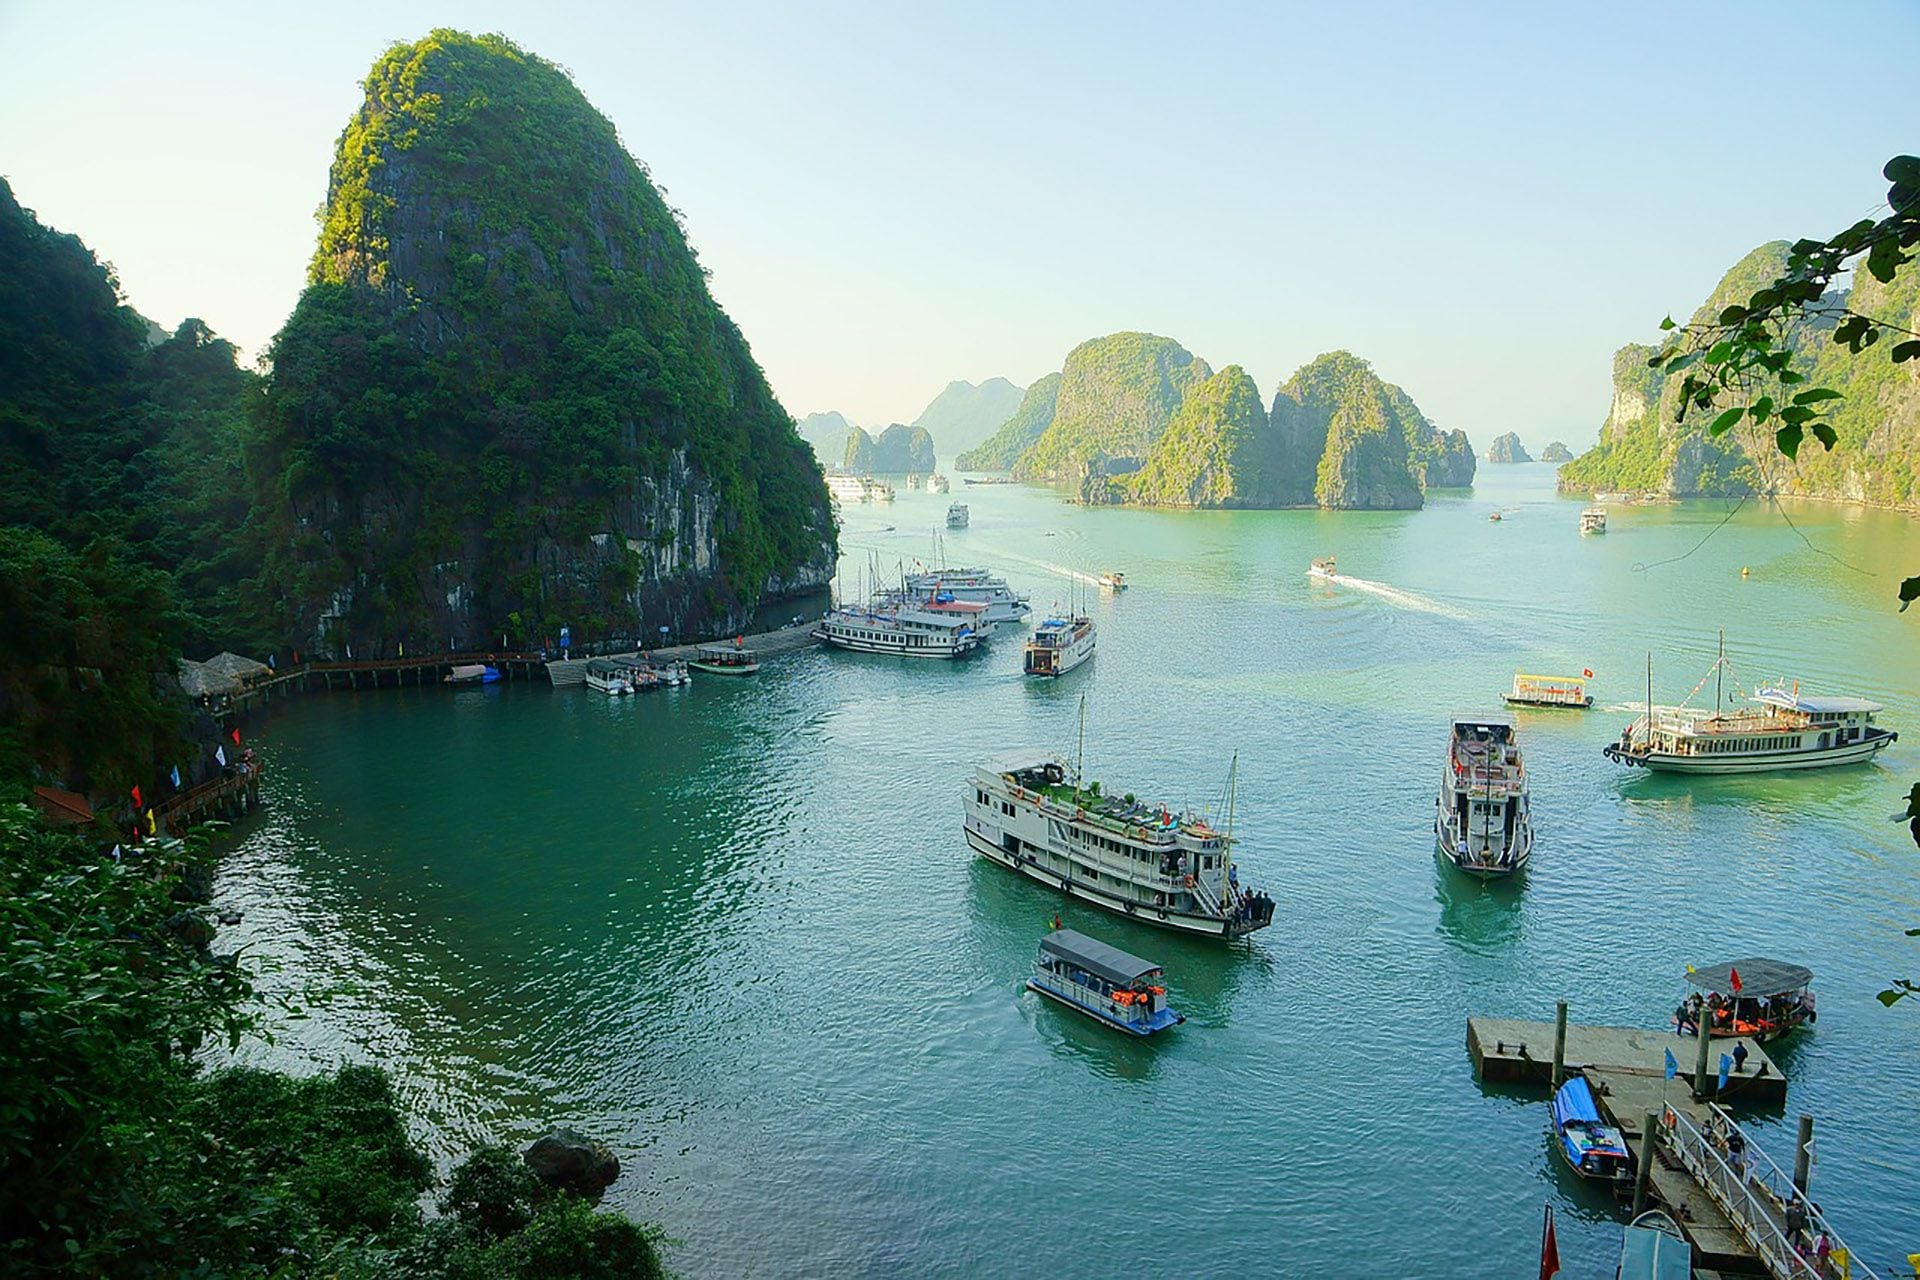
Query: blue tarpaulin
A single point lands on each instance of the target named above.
(1574, 1102)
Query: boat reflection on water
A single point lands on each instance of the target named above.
(1480, 916)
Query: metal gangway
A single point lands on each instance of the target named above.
(1755, 1195)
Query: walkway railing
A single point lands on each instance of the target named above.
(1754, 1193)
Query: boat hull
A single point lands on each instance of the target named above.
(892, 647)
(721, 669)
(1067, 659)
(1141, 1029)
(1482, 870)
(1760, 761)
(1544, 705)
(1160, 918)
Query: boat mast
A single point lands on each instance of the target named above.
(1719, 671)
(1226, 860)
(1080, 764)
(1649, 720)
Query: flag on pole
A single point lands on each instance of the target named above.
(153, 828)
(176, 777)
(236, 737)
(116, 853)
(1726, 1066)
(1733, 978)
(220, 754)
(1673, 1065)
(137, 803)
(1549, 1249)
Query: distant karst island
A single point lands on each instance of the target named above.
(1507, 448)
(1556, 451)
(899, 448)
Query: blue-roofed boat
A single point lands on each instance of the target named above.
(1783, 728)
(1591, 1147)
(1103, 982)
(1652, 1248)
(1058, 645)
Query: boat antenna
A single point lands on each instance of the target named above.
(1719, 671)
(1080, 764)
(1226, 860)
(1649, 719)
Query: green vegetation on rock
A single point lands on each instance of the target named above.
(1217, 451)
(1349, 440)
(506, 399)
(1116, 395)
(1017, 434)
(898, 449)
(1556, 451)
(1508, 449)
(963, 415)
(827, 433)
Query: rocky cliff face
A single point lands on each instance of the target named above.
(1876, 458)
(1508, 449)
(506, 400)
(1349, 440)
(1556, 451)
(1017, 434)
(1217, 452)
(963, 415)
(898, 449)
(827, 433)
(1117, 394)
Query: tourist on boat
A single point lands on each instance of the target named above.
(1739, 1058)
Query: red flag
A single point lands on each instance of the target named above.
(1549, 1250)
(1588, 672)
(1733, 976)
(236, 737)
(136, 799)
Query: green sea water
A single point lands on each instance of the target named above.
(734, 929)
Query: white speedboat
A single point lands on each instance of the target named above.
(1058, 645)
(905, 630)
(1482, 822)
(1113, 580)
(1004, 604)
(1322, 568)
(1031, 813)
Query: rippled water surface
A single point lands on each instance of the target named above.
(734, 929)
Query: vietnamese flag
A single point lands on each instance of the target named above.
(1549, 1250)
(236, 737)
(1733, 977)
(136, 799)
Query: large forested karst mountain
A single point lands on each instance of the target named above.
(506, 399)
(1217, 452)
(1116, 395)
(897, 449)
(1876, 458)
(1350, 440)
(964, 415)
(827, 433)
(1016, 435)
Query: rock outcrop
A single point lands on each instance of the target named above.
(1217, 452)
(569, 1161)
(1556, 451)
(898, 449)
(1507, 449)
(1349, 440)
(1117, 394)
(1017, 434)
(506, 399)
(964, 415)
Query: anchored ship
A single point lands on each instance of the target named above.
(1483, 822)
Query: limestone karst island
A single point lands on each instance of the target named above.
(907, 642)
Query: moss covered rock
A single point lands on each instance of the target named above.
(1116, 395)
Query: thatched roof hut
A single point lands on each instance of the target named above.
(245, 670)
(199, 680)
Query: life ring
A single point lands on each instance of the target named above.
(1189, 882)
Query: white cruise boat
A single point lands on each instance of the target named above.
(1784, 729)
(957, 516)
(1482, 821)
(937, 483)
(1003, 603)
(1161, 868)
(849, 488)
(941, 602)
(1058, 645)
(906, 630)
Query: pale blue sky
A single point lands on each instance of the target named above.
(1485, 204)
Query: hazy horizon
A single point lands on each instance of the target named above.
(1485, 207)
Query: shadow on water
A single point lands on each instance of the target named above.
(1480, 916)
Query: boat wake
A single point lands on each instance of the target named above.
(1048, 565)
(1393, 595)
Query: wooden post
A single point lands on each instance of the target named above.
(1649, 1139)
(1700, 1059)
(1559, 1042)
(1803, 1154)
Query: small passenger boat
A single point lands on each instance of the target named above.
(957, 515)
(1756, 998)
(1593, 520)
(1103, 982)
(1550, 691)
(1483, 821)
(1322, 568)
(725, 660)
(937, 483)
(1591, 1147)
(1058, 645)
(473, 673)
(1113, 580)
(609, 677)
(1652, 1248)
(913, 480)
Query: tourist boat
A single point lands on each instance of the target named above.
(906, 630)
(1482, 822)
(1174, 870)
(879, 491)
(1783, 729)
(849, 488)
(1591, 1147)
(1112, 580)
(937, 483)
(473, 673)
(1593, 520)
(1058, 645)
(1004, 604)
(957, 516)
(1550, 691)
(667, 674)
(609, 677)
(1653, 1248)
(725, 660)
(1494, 516)
(1322, 568)
(1103, 982)
(913, 480)
(1756, 998)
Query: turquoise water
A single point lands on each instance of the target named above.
(734, 929)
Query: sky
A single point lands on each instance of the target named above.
(1484, 201)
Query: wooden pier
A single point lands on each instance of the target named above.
(1507, 1051)
(226, 797)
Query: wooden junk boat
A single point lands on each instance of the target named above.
(1756, 998)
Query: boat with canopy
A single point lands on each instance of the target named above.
(725, 659)
(1591, 1147)
(1757, 998)
(1550, 691)
(1103, 982)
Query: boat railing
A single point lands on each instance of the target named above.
(1754, 1193)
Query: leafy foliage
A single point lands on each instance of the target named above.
(1116, 395)
(1350, 440)
(1217, 451)
(1017, 434)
